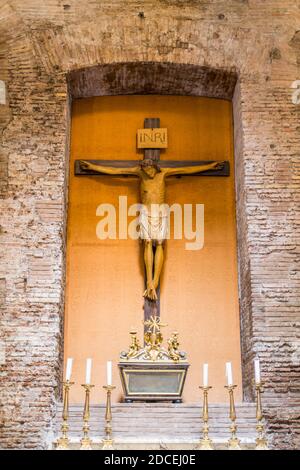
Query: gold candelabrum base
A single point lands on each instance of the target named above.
(63, 442)
(261, 441)
(206, 442)
(86, 442)
(108, 443)
(233, 442)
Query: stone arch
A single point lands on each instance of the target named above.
(168, 78)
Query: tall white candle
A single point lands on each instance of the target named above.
(205, 375)
(88, 371)
(109, 372)
(257, 371)
(69, 368)
(229, 373)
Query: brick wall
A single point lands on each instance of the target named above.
(41, 42)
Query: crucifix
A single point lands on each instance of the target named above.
(152, 173)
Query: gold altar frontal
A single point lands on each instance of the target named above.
(153, 373)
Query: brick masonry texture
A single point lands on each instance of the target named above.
(247, 50)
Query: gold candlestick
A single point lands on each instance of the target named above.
(261, 442)
(86, 442)
(108, 441)
(233, 442)
(205, 443)
(63, 441)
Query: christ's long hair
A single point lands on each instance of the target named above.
(148, 162)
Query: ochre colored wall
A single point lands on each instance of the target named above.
(199, 294)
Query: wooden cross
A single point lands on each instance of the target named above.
(151, 308)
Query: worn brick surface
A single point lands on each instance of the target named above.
(256, 42)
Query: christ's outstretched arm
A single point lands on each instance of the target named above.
(109, 170)
(189, 170)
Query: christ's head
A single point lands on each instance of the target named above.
(150, 167)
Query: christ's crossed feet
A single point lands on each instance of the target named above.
(150, 292)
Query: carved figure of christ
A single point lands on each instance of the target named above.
(153, 226)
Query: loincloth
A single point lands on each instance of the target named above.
(153, 227)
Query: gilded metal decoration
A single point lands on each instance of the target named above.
(233, 442)
(261, 441)
(86, 442)
(108, 443)
(63, 442)
(153, 349)
(153, 372)
(206, 442)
